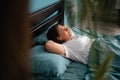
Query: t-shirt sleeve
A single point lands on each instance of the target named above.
(70, 53)
(66, 51)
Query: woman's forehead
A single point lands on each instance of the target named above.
(59, 27)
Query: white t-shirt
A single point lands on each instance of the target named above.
(78, 48)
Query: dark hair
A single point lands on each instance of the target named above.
(52, 34)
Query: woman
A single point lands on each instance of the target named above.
(61, 40)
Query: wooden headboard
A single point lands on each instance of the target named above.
(44, 18)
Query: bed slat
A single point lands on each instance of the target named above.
(42, 20)
(46, 25)
(41, 15)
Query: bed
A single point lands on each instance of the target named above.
(47, 66)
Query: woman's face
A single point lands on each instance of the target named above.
(64, 32)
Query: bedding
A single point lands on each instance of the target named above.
(75, 71)
(40, 39)
(47, 64)
(52, 66)
(103, 46)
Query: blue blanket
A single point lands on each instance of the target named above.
(75, 71)
(104, 56)
(103, 62)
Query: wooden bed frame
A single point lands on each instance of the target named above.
(44, 18)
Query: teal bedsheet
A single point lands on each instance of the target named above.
(75, 71)
(101, 49)
(104, 46)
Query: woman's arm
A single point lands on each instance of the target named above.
(54, 47)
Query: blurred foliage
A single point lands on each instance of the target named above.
(101, 69)
(88, 12)
(101, 56)
(100, 74)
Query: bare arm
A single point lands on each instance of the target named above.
(54, 47)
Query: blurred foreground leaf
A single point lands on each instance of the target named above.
(100, 74)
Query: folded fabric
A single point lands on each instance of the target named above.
(47, 64)
(40, 39)
(104, 46)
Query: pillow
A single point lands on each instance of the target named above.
(76, 30)
(41, 39)
(47, 64)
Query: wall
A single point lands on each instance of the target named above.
(35, 5)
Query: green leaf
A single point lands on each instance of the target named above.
(104, 67)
